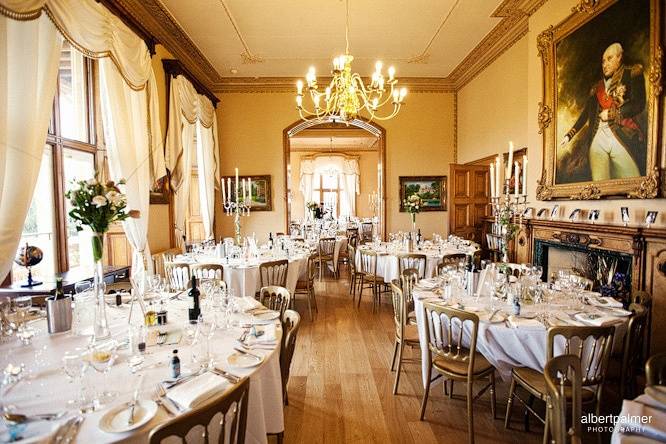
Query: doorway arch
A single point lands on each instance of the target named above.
(331, 122)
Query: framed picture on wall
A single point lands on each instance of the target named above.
(599, 69)
(159, 191)
(260, 193)
(431, 190)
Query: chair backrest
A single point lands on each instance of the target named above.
(326, 246)
(312, 269)
(399, 309)
(444, 334)
(408, 279)
(274, 273)
(592, 346)
(292, 322)
(642, 298)
(352, 240)
(563, 373)
(655, 370)
(368, 262)
(351, 253)
(353, 231)
(634, 340)
(450, 259)
(231, 407)
(178, 275)
(275, 298)
(207, 271)
(412, 260)
(366, 232)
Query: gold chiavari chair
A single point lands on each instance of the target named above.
(351, 232)
(207, 271)
(326, 255)
(632, 352)
(369, 277)
(306, 286)
(564, 387)
(450, 260)
(354, 275)
(408, 279)
(275, 298)
(592, 345)
(274, 273)
(449, 357)
(366, 232)
(655, 370)
(292, 322)
(353, 240)
(231, 408)
(405, 334)
(178, 275)
(412, 260)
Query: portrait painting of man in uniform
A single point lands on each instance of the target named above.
(601, 112)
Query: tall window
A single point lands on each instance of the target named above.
(69, 155)
(326, 189)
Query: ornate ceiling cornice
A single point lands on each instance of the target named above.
(157, 19)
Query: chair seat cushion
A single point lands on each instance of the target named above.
(535, 383)
(411, 333)
(458, 367)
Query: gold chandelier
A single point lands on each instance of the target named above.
(346, 96)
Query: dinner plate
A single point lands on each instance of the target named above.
(499, 317)
(115, 420)
(656, 392)
(267, 315)
(243, 360)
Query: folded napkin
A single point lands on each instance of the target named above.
(640, 419)
(595, 319)
(426, 284)
(248, 303)
(599, 301)
(518, 322)
(197, 390)
(265, 335)
(566, 319)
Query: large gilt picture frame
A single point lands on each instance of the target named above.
(599, 117)
(431, 189)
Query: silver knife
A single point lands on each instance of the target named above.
(240, 350)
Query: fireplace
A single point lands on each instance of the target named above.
(593, 263)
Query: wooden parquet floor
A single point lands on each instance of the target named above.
(340, 389)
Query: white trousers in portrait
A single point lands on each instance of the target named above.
(609, 159)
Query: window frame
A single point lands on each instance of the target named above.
(321, 190)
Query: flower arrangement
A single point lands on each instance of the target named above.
(311, 205)
(413, 206)
(97, 205)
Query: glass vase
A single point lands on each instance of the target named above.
(101, 325)
(413, 222)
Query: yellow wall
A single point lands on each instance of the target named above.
(367, 164)
(492, 108)
(158, 222)
(419, 141)
(501, 104)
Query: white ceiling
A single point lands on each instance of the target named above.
(282, 38)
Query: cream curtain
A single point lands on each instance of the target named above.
(128, 141)
(192, 120)
(97, 33)
(345, 168)
(29, 57)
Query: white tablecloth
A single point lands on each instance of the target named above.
(243, 278)
(502, 346)
(637, 432)
(387, 261)
(45, 388)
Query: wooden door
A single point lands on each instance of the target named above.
(193, 220)
(469, 200)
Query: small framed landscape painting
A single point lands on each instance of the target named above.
(431, 190)
(260, 193)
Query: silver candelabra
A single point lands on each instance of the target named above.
(237, 203)
(506, 208)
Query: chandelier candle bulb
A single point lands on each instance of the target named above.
(403, 93)
(299, 87)
(391, 73)
(299, 101)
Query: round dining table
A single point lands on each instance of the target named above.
(44, 388)
(508, 341)
(388, 257)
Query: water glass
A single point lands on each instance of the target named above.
(22, 305)
(102, 356)
(83, 313)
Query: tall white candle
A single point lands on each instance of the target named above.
(224, 192)
(508, 166)
(249, 189)
(492, 180)
(244, 194)
(525, 175)
(236, 185)
(517, 179)
(498, 188)
(229, 195)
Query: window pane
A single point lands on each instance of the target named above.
(73, 103)
(331, 202)
(38, 228)
(77, 165)
(330, 181)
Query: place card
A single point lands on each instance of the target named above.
(593, 216)
(542, 212)
(554, 212)
(573, 217)
(624, 214)
(650, 218)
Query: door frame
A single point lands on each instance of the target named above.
(332, 122)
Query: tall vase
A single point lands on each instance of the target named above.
(101, 326)
(413, 222)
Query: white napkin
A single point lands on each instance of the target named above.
(595, 319)
(565, 319)
(633, 412)
(426, 284)
(248, 303)
(606, 301)
(197, 390)
(518, 322)
(268, 337)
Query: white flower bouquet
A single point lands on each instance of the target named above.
(413, 206)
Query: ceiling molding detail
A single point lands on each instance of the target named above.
(159, 21)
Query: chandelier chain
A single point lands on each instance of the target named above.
(347, 28)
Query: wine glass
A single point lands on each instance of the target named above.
(5, 308)
(22, 305)
(82, 286)
(102, 356)
(74, 366)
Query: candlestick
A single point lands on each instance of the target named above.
(237, 204)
